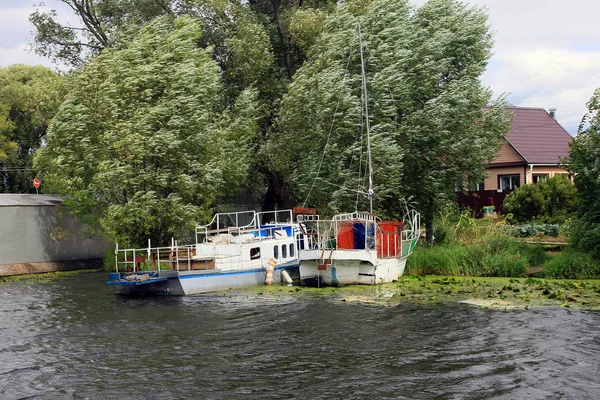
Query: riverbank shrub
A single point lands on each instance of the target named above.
(493, 256)
(572, 264)
(550, 201)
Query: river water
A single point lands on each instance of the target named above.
(73, 339)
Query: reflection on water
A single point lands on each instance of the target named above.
(74, 339)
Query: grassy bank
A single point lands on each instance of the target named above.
(488, 247)
(502, 256)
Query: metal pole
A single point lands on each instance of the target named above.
(364, 84)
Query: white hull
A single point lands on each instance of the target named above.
(349, 272)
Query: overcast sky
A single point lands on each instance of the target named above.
(547, 52)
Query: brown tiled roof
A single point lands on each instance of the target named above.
(537, 136)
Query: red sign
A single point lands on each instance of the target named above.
(36, 183)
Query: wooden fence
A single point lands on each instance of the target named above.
(476, 200)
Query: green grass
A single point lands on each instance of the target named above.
(571, 264)
(493, 256)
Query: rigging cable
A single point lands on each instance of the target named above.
(329, 135)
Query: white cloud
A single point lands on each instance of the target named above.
(14, 26)
(547, 52)
(547, 77)
(21, 54)
(16, 30)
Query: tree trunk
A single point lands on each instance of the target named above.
(429, 228)
(278, 194)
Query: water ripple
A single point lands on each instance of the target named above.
(74, 339)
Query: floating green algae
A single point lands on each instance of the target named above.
(501, 293)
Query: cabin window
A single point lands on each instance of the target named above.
(508, 182)
(275, 252)
(254, 253)
(539, 178)
(284, 251)
(292, 250)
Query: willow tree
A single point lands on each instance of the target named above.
(256, 43)
(144, 143)
(431, 129)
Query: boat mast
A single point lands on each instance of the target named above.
(364, 84)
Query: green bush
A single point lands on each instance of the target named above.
(572, 265)
(551, 201)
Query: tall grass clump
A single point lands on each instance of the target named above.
(572, 264)
(493, 256)
(437, 260)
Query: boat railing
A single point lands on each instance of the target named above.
(274, 217)
(227, 223)
(245, 234)
(409, 242)
(348, 232)
(357, 215)
(174, 258)
(244, 222)
(338, 234)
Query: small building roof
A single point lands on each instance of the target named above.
(13, 200)
(537, 136)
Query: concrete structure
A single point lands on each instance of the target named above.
(38, 235)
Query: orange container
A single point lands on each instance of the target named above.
(388, 238)
(345, 236)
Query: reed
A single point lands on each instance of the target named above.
(492, 256)
(571, 264)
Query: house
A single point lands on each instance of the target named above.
(533, 150)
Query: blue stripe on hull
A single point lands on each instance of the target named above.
(207, 281)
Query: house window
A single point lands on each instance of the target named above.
(284, 251)
(479, 186)
(254, 253)
(508, 182)
(539, 178)
(568, 176)
(276, 252)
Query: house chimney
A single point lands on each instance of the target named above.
(552, 112)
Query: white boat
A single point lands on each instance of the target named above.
(357, 247)
(234, 250)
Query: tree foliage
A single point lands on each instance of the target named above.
(256, 43)
(29, 99)
(549, 201)
(431, 131)
(584, 163)
(145, 142)
(103, 24)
